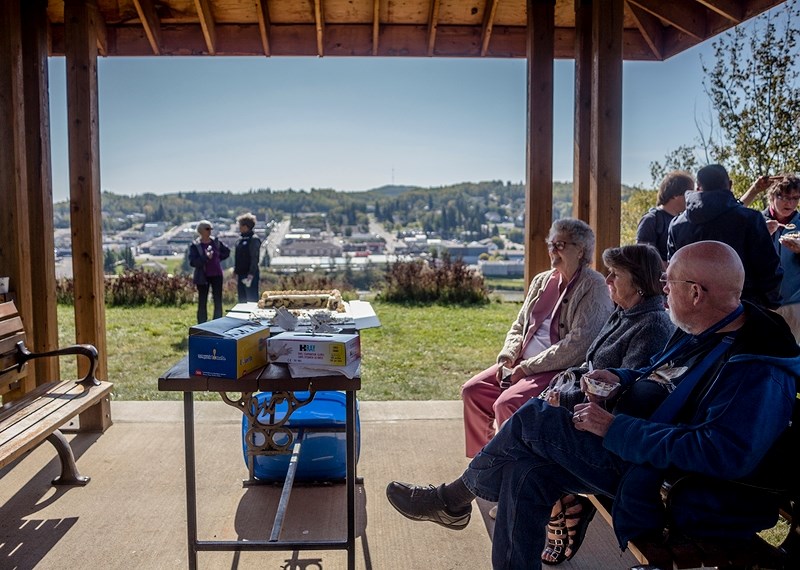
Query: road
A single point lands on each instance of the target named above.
(377, 229)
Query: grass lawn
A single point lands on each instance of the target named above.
(418, 353)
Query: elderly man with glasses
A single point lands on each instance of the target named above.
(713, 213)
(734, 368)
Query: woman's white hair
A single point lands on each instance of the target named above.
(579, 232)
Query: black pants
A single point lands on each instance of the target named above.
(247, 294)
(202, 298)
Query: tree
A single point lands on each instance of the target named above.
(109, 261)
(754, 99)
(752, 87)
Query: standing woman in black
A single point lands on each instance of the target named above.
(248, 248)
(205, 255)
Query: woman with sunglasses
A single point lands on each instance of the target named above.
(206, 254)
(564, 310)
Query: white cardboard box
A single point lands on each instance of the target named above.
(307, 348)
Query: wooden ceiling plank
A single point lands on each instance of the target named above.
(263, 24)
(320, 24)
(727, 8)
(651, 29)
(686, 15)
(433, 24)
(207, 24)
(150, 22)
(376, 25)
(488, 23)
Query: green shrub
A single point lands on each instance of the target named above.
(440, 281)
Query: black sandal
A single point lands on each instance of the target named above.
(564, 539)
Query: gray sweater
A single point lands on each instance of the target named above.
(631, 336)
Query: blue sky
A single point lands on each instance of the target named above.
(212, 123)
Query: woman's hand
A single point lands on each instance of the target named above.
(792, 244)
(592, 417)
(503, 370)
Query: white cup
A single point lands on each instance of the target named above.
(3, 285)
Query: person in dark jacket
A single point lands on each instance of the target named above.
(246, 256)
(713, 213)
(735, 368)
(670, 202)
(206, 254)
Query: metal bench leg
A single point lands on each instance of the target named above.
(69, 471)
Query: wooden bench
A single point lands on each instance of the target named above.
(684, 552)
(679, 552)
(36, 415)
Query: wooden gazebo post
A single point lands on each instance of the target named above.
(44, 324)
(582, 128)
(82, 21)
(606, 136)
(539, 149)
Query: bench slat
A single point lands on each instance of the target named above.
(11, 327)
(7, 309)
(25, 427)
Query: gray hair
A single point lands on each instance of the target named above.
(203, 224)
(579, 232)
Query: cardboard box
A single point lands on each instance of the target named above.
(307, 348)
(358, 315)
(227, 347)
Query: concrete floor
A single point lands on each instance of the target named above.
(132, 514)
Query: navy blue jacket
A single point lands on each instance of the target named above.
(723, 433)
(717, 215)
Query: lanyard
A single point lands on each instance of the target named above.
(694, 339)
(669, 408)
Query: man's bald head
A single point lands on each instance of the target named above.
(716, 267)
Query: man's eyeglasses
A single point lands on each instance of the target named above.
(793, 198)
(559, 245)
(664, 280)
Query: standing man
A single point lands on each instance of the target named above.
(245, 266)
(654, 225)
(713, 213)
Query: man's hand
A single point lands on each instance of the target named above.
(592, 417)
(599, 385)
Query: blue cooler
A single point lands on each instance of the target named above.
(323, 455)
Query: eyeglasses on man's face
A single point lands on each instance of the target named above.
(559, 245)
(665, 280)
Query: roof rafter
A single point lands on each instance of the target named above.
(150, 22)
(433, 24)
(651, 29)
(319, 21)
(488, 23)
(207, 24)
(686, 15)
(263, 24)
(100, 30)
(376, 25)
(727, 8)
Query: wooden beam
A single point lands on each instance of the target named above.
(686, 15)
(207, 24)
(264, 25)
(539, 148)
(101, 33)
(376, 25)
(43, 328)
(581, 163)
(727, 8)
(319, 23)
(606, 179)
(14, 224)
(488, 23)
(651, 29)
(433, 25)
(84, 179)
(150, 22)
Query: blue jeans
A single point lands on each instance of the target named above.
(537, 457)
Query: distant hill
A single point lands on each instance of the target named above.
(468, 210)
